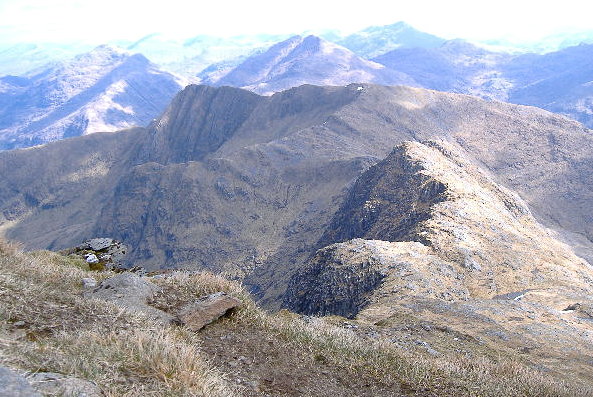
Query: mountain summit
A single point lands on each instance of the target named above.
(307, 60)
(377, 40)
(106, 89)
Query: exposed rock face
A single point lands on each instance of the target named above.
(387, 202)
(53, 384)
(198, 122)
(104, 90)
(477, 240)
(343, 278)
(341, 285)
(251, 192)
(196, 315)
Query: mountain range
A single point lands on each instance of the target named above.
(557, 81)
(116, 89)
(106, 89)
(236, 182)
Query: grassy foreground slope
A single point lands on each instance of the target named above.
(46, 325)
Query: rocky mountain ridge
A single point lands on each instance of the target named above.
(557, 81)
(449, 216)
(467, 252)
(247, 185)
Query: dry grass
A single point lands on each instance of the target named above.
(128, 355)
(450, 374)
(46, 325)
(181, 287)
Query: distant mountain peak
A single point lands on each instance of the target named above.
(105, 89)
(105, 51)
(377, 40)
(306, 60)
(398, 26)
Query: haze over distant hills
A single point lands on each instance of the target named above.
(104, 90)
(306, 60)
(377, 40)
(190, 56)
(557, 81)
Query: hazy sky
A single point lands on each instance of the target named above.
(100, 21)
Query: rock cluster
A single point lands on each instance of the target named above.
(100, 253)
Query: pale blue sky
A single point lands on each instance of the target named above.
(101, 21)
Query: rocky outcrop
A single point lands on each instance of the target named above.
(475, 239)
(13, 384)
(135, 293)
(100, 253)
(388, 202)
(342, 283)
(343, 278)
(53, 384)
(131, 292)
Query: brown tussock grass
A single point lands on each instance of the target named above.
(127, 354)
(58, 330)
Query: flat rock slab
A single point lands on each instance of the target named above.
(53, 384)
(131, 292)
(12, 384)
(98, 244)
(196, 315)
